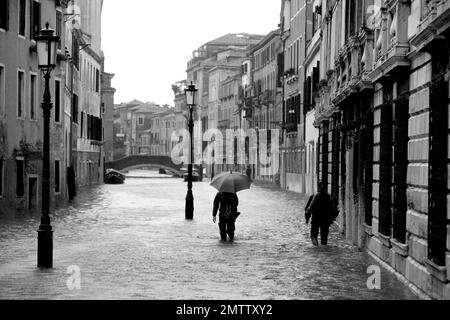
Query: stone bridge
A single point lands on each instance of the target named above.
(140, 161)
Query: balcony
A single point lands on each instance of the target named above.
(291, 76)
(224, 124)
(349, 71)
(366, 38)
(247, 113)
(392, 47)
(291, 128)
(434, 22)
(267, 97)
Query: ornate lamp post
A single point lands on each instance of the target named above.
(190, 98)
(46, 49)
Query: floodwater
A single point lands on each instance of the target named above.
(132, 241)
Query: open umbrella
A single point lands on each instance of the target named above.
(231, 182)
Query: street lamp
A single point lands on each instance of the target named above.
(46, 50)
(190, 92)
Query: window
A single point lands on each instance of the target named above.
(2, 177)
(400, 167)
(20, 190)
(75, 51)
(97, 80)
(33, 96)
(75, 109)
(369, 144)
(57, 101)
(2, 90)
(57, 176)
(35, 18)
(82, 125)
(20, 93)
(88, 125)
(324, 162)
(4, 14)
(438, 164)
(22, 8)
(385, 210)
(141, 121)
(59, 22)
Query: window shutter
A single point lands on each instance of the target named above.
(315, 79)
(305, 97)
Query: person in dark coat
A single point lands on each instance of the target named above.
(71, 183)
(322, 211)
(248, 172)
(226, 203)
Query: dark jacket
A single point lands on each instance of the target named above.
(222, 199)
(321, 209)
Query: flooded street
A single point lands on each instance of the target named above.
(132, 241)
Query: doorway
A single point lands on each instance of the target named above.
(32, 192)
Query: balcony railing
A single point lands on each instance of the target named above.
(224, 124)
(291, 75)
(434, 22)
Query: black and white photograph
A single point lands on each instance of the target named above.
(224, 156)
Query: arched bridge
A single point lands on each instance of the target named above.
(140, 161)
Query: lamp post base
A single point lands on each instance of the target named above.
(45, 248)
(189, 206)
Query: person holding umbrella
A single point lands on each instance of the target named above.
(226, 201)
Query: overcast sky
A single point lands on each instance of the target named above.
(147, 43)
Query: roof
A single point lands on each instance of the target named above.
(266, 40)
(236, 39)
(130, 104)
(147, 108)
(135, 102)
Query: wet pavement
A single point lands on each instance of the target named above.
(131, 241)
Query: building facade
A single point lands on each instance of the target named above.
(87, 123)
(293, 38)
(107, 101)
(228, 118)
(21, 92)
(383, 122)
(264, 100)
(212, 63)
